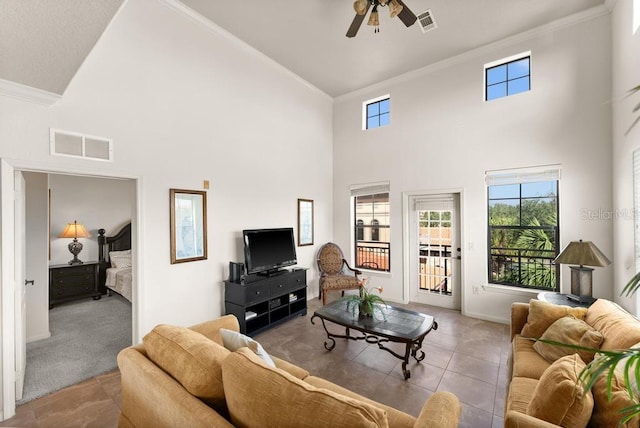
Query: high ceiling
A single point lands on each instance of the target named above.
(43, 42)
(308, 37)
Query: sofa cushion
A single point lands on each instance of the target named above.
(526, 360)
(620, 329)
(251, 388)
(559, 398)
(571, 331)
(521, 390)
(234, 340)
(606, 413)
(191, 359)
(396, 418)
(543, 314)
(211, 329)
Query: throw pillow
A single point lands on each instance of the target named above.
(251, 387)
(571, 331)
(621, 330)
(120, 259)
(543, 314)
(192, 359)
(606, 413)
(558, 397)
(233, 340)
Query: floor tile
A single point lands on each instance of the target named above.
(474, 367)
(472, 417)
(470, 391)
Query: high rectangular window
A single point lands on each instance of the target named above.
(523, 232)
(510, 77)
(376, 112)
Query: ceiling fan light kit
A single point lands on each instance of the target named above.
(396, 8)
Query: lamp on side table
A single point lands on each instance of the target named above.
(581, 253)
(75, 230)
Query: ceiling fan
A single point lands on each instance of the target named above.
(396, 8)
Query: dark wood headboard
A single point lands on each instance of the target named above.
(118, 242)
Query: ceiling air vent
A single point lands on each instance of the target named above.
(426, 20)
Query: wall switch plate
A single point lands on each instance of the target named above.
(205, 184)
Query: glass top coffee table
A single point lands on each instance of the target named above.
(397, 325)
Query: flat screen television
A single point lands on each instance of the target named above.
(268, 250)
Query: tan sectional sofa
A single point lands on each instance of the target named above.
(181, 377)
(544, 392)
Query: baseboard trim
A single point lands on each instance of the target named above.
(39, 337)
(487, 317)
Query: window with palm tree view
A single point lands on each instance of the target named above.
(523, 234)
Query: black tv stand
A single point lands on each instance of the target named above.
(272, 273)
(261, 302)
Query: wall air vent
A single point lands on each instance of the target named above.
(427, 23)
(76, 145)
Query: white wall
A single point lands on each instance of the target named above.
(626, 75)
(37, 253)
(96, 203)
(443, 136)
(185, 104)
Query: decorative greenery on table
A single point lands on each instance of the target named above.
(366, 301)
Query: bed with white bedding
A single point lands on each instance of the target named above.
(115, 255)
(119, 280)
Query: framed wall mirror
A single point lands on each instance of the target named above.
(188, 225)
(305, 222)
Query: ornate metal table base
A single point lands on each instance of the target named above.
(412, 346)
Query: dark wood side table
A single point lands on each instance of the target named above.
(72, 282)
(562, 299)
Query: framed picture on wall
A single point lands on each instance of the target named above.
(305, 222)
(188, 225)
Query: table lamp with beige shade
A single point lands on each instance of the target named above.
(75, 230)
(581, 253)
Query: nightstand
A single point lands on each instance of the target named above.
(562, 299)
(73, 282)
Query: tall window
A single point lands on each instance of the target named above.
(372, 243)
(509, 77)
(523, 231)
(376, 112)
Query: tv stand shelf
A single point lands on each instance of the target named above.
(261, 302)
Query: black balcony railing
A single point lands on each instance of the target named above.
(373, 255)
(524, 267)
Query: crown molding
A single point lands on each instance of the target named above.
(206, 23)
(542, 30)
(28, 93)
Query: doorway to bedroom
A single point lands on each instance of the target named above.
(77, 338)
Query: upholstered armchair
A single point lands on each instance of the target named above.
(335, 272)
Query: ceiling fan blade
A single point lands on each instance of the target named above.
(406, 16)
(357, 22)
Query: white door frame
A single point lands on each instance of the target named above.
(7, 264)
(20, 280)
(407, 230)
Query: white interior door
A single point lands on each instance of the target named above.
(434, 246)
(20, 284)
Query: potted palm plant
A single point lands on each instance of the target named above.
(366, 301)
